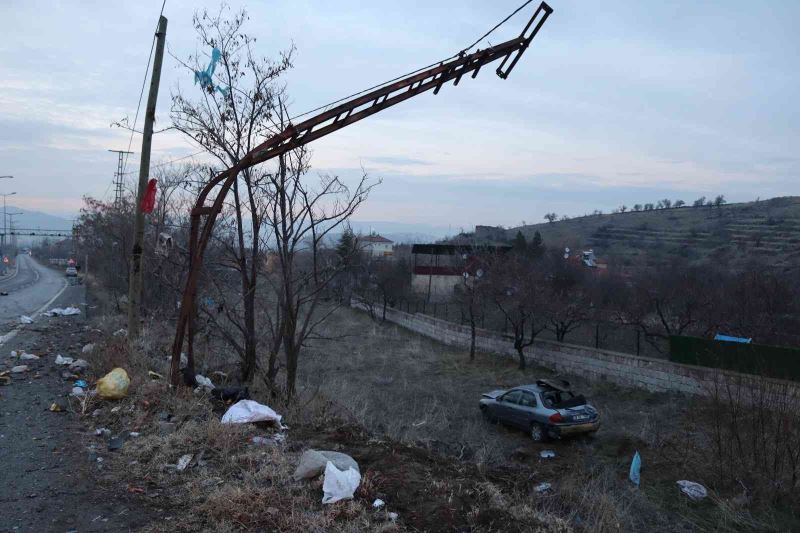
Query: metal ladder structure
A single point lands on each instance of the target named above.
(320, 125)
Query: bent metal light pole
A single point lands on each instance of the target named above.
(324, 123)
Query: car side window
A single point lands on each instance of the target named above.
(512, 397)
(527, 400)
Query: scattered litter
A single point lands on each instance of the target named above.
(79, 365)
(154, 375)
(231, 394)
(543, 487)
(5, 379)
(247, 411)
(64, 360)
(547, 454)
(78, 392)
(66, 311)
(87, 348)
(115, 443)
(25, 319)
(56, 407)
(393, 516)
(19, 369)
(695, 491)
(134, 434)
(13, 353)
(28, 357)
(184, 461)
(274, 440)
(82, 384)
(377, 504)
(122, 332)
(116, 409)
(114, 385)
(636, 467)
(313, 463)
(3, 293)
(221, 375)
(339, 484)
(102, 432)
(203, 382)
(4, 338)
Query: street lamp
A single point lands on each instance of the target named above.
(4, 195)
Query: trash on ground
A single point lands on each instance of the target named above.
(114, 385)
(183, 461)
(56, 407)
(79, 365)
(203, 382)
(134, 434)
(393, 516)
(102, 432)
(28, 357)
(25, 319)
(154, 375)
(122, 332)
(547, 454)
(13, 354)
(274, 440)
(87, 348)
(247, 411)
(66, 311)
(19, 369)
(377, 504)
(543, 487)
(636, 467)
(5, 379)
(64, 360)
(82, 383)
(78, 392)
(339, 484)
(115, 443)
(313, 463)
(695, 491)
(231, 394)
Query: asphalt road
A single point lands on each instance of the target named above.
(33, 286)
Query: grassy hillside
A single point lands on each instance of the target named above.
(766, 231)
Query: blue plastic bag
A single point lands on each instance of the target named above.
(206, 77)
(636, 467)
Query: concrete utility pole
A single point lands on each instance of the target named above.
(135, 284)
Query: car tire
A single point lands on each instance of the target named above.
(538, 432)
(487, 415)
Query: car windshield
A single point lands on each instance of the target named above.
(552, 398)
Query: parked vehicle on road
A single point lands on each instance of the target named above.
(546, 409)
(72, 272)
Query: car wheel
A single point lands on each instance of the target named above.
(538, 433)
(487, 415)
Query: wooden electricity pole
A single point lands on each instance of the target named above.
(135, 283)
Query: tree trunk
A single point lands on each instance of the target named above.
(473, 334)
(520, 353)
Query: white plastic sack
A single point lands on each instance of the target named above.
(203, 382)
(313, 462)
(247, 411)
(64, 360)
(28, 357)
(339, 484)
(695, 491)
(25, 319)
(66, 311)
(87, 348)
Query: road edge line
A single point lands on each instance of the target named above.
(13, 333)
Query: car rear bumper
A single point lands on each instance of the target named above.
(575, 429)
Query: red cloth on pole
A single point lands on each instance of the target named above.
(149, 200)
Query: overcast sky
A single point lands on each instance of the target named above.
(621, 101)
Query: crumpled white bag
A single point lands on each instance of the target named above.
(25, 319)
(695, 491)
(339, 484)
(64, 360)
(247, 411)
(203, 382)
(57, 311)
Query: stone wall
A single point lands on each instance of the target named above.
(655, 375)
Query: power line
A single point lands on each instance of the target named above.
(144, 82)
(463, 51)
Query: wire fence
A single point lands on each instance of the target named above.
(599, 334)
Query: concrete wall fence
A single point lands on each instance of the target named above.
(655, 375)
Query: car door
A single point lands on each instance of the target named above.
(526, 409)
(506, 407)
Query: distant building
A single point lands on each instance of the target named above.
(438, 268)
(376, 246)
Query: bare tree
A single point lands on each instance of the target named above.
(551, 217)
(228, 119)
